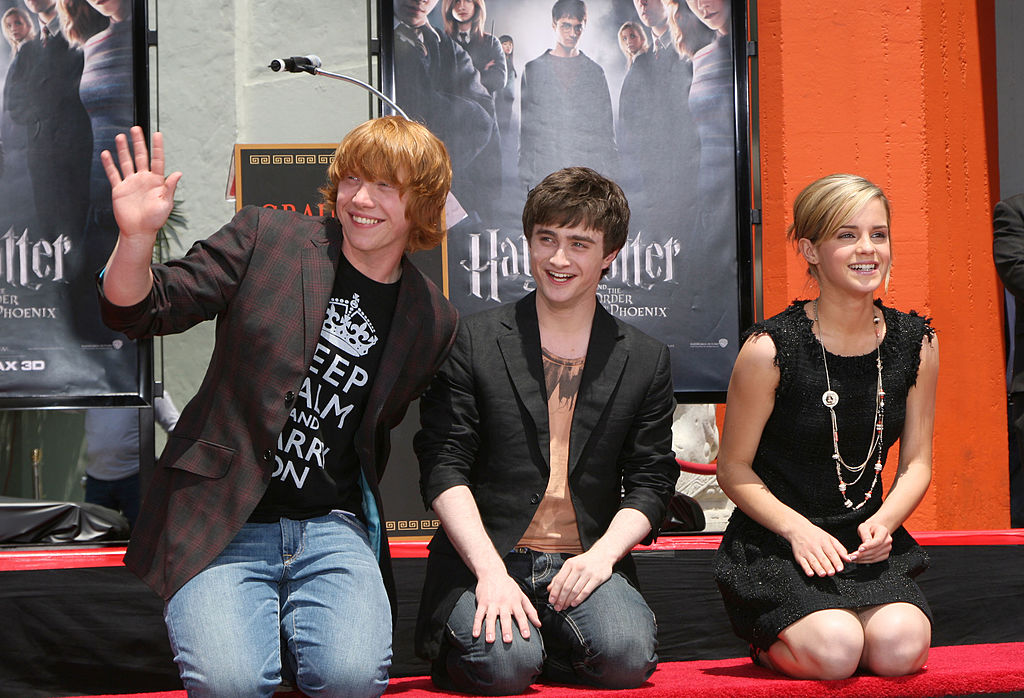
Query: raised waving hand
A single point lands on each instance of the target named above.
(142, 199)
(141, 196)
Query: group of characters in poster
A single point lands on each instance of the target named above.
(68, 89)
(641, 91)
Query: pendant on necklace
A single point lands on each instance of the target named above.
(830, 398)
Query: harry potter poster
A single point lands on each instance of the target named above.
(643, 92)
(68, 89)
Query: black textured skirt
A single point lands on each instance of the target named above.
(765, 590)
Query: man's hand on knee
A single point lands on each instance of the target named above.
(499, 597)
(578, 578)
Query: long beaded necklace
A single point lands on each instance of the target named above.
(830, 399)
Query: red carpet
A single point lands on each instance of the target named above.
(959, 670)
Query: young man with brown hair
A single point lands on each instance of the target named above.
(545, 451)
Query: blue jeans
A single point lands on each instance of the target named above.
(608, 641)
(310, 590)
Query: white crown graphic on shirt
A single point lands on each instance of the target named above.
(348, 328)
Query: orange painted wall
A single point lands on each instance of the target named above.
(903, 94)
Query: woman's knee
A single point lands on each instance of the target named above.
(899, 659)
(897, 639)
(825, 645)
(827, 662)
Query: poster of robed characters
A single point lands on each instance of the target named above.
(641, 91)
(68, 89)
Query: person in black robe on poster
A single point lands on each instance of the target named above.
(18, 30)
(506, 107)
(464, 23)
(566, 105)
(714, 112)
(44, 98)
(505, 100)
(633, 98)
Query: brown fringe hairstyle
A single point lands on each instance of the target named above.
(579, 196)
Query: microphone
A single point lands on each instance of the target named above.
(296, 64)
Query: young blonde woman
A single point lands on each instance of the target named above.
(689, 34)
(815, 567)
(632, 42)
(17, 27)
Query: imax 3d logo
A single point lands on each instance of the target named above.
(26, 365)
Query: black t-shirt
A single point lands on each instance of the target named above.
(317, 469)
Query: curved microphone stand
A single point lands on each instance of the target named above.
(369, 88)
(311, 65)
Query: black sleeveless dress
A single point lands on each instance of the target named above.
(763, 587)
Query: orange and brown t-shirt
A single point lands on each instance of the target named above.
(553, 528)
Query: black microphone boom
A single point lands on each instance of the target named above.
(297, 64)
(311, 65)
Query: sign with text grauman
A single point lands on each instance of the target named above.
(64, 99)
(287, 177)
(648, 94)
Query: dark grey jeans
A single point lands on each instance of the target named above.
(608, 641)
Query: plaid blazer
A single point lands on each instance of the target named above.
(266, 277)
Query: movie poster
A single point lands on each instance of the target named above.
(68, 89)
(642, 92)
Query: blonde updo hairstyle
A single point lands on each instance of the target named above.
(826, 204)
